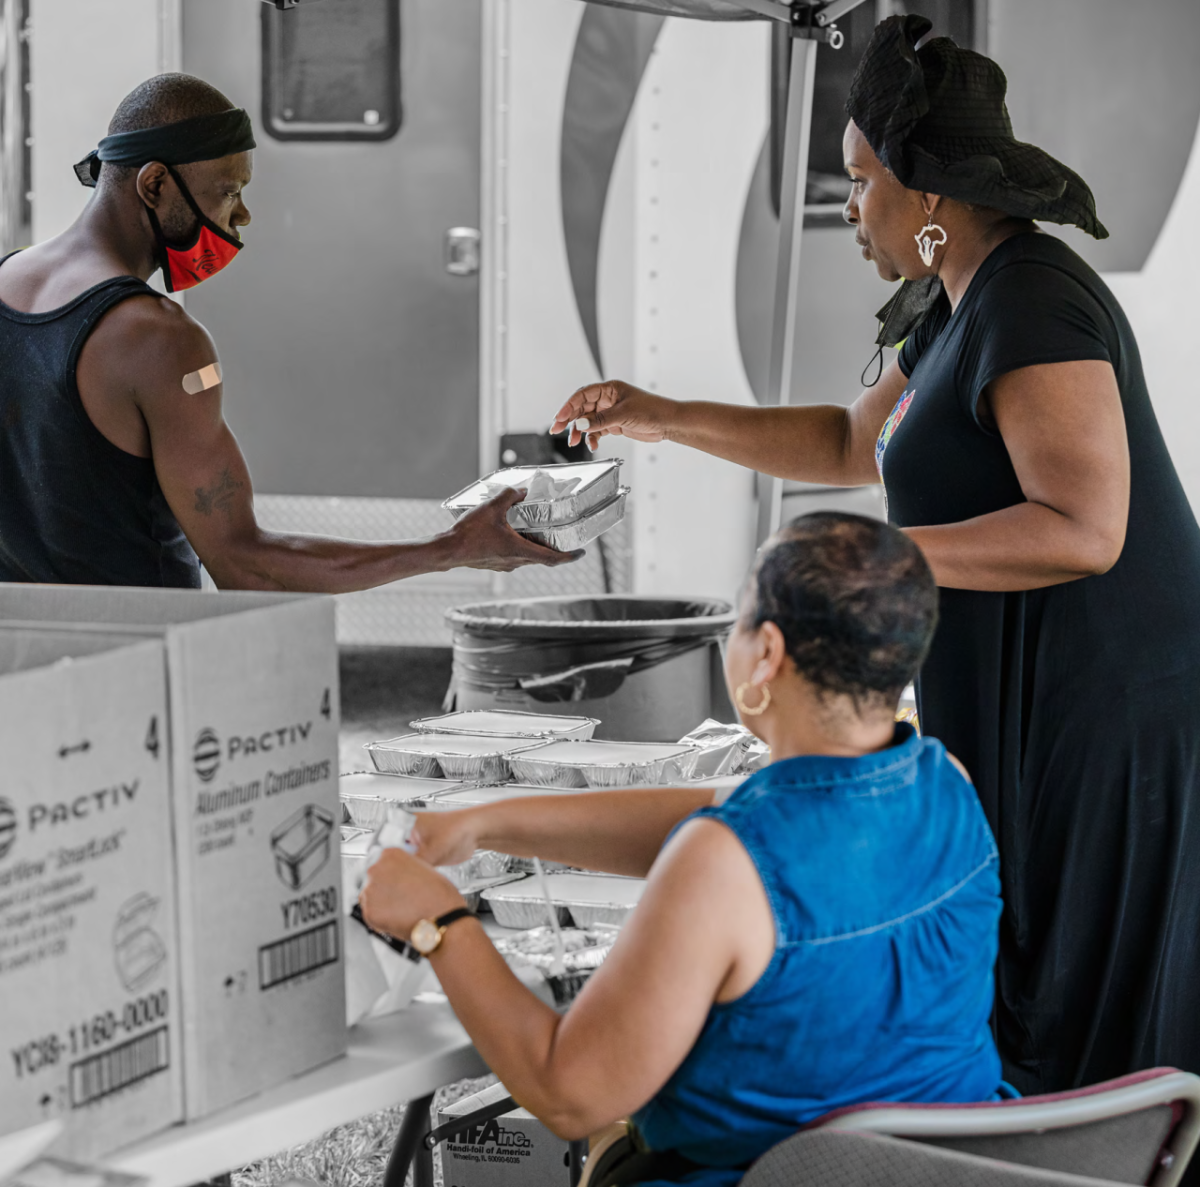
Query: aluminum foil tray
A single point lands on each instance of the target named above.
(599, 765)
(506, 723)
(587, 899)
(568, 537)
(462, 757)
(365, 798)
(722, 748)
(591, 484)
(472, 889)
(520, 904)
(471, 797)
(355, 843)
(583, 949)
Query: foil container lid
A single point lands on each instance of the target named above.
(567, 763)
(397, 788)
(471, 797)
(452, 745)
(507, 723)
(575, 487)
(606, 754)
(570, 889)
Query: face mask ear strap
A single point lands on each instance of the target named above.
(205, 221)
(187, 194)
(160, 249)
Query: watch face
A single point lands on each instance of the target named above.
(426, 936)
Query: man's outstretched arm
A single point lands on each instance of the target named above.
(206, 483)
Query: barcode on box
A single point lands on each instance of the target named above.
(118, 1067)
(297, 955)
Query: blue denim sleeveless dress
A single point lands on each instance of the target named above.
(883, 879)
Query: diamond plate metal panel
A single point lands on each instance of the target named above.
(411, 613)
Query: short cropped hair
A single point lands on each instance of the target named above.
(163, 99)
(855, 601)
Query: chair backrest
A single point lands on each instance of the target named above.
(839, 1158)
(1138, 1129)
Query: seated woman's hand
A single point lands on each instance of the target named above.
(446, 838)
(401, 889)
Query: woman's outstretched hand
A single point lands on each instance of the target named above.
(615, 408)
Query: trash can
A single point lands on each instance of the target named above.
(648, 668)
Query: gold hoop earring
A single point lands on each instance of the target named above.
(927, 244)
(740, 697)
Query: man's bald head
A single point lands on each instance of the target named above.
(163, 99)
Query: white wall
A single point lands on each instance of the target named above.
(85, 56)
(1163, 306)
(695, 132)
(667, 269)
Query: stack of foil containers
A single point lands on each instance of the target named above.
(566, 507)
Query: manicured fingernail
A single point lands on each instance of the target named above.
(583, 424)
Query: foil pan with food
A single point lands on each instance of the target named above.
(462, 757)
(507, 723)
(568, 537)
(583, 899)
(599, 765)
(582, 952)
(554, 495)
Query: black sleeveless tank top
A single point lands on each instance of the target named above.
(75, 508)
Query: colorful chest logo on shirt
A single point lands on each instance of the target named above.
(889, 427)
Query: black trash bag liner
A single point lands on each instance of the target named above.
(559, 650)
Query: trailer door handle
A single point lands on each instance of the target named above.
(462, 251)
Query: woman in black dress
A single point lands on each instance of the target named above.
(1016, 442)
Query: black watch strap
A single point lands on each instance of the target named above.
(398, 946)
(444, 921)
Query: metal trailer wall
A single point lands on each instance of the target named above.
(1107, 86)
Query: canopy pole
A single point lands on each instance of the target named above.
(782, 375)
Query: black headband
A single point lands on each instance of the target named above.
(204, 138)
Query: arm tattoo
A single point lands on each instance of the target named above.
(219, 497)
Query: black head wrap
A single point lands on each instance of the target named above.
(202, 138)
(936, 117)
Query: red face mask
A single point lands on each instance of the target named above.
(211, 248)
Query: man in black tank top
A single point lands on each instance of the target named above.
(116, 464)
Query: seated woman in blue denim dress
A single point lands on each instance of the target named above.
(823, 937)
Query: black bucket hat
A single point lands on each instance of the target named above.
(935, 116)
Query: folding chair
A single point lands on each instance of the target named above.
(1139, 1129)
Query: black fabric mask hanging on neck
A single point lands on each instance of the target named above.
(909, 306)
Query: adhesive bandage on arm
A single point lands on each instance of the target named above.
(195, 382)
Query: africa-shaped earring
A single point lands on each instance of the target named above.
(740, 697)
(927, 244)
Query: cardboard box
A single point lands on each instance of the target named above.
(515, 1150)
(253, 728)
(90, 1029)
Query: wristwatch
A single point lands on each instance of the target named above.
(427, 934)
